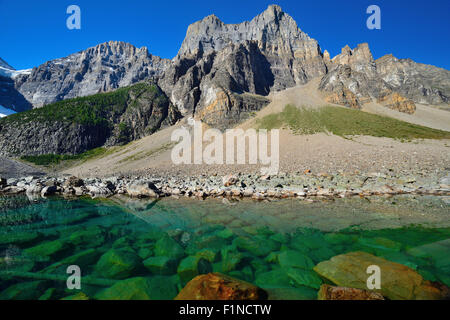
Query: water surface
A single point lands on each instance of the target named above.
(169, 241)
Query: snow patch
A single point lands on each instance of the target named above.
(5, 111)
(10, 73)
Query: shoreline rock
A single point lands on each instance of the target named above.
(301, 186)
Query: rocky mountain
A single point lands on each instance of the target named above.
(356, 78)
(102, 68)
(422, 83)
(221, 75)
(217, 62)
(77, 125)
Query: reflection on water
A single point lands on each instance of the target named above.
(158, 246)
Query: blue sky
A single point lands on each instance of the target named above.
(32, 32)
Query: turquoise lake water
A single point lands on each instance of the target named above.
(169, 241)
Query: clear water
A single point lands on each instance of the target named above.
(171, 240)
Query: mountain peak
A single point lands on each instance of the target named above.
(273, 9)
(273, 29)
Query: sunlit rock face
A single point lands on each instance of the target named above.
(102, 68)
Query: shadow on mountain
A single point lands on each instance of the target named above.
(11, 98)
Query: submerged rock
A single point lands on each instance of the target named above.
(286, 293)
(168, 247)
(130, 289)
(217, 286)
(328, 292)
(398, 282)
(306, 278)
(77, 296)
(20, 238)
(140, 288)
(291, 258)
(24, 291)
(51, 249)
(118, 264)
(160, 265)
(192, 266)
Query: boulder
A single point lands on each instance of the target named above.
(90, 236)
(160, 265)
(48, 191)
(130, 289)
(291, 258)
(273, 279)
(49, 249)
(74, 182)
(192, 266)
(168, 247)
(328, 292)
(398, 282)
(118, 264)
(141, 288)
(286, 293)
(436, 251)
(20, 238)
(229, 180)
(253, 245)
(24, 291)
(143, 190)
(217, 286)
(306, 278)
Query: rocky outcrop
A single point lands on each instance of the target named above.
(102, 68)
(217, 286)
(75, 126)
(419, 82)
(214, 86)
(356, 78)
(397, 102)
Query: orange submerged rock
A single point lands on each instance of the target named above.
(217, 286)
(328, 292)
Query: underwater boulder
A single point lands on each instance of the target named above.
(291, 258)
(398, 282)
(118, 264)
(137, 288)
(328, 292)
(168, 247)
(192, 266)
(160, 265)
(217, 286)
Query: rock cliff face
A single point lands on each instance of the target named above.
(217, 62)
(354, 80)
(102, 68)
(77, 125)
(420, 82)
